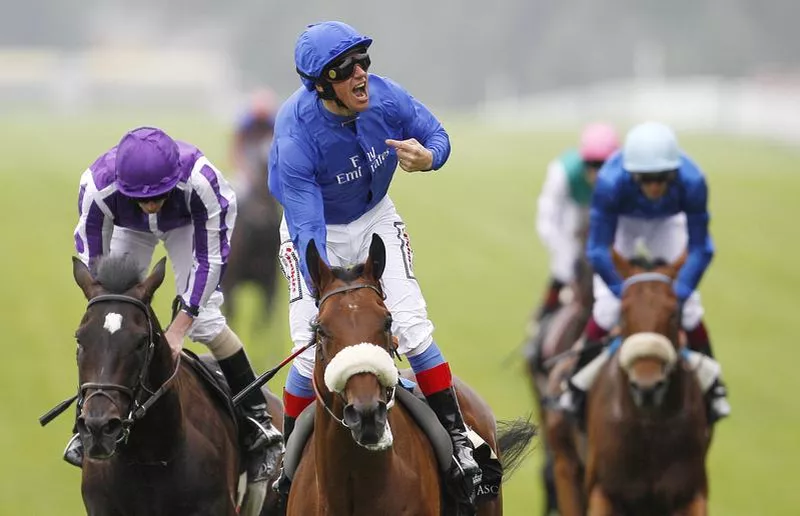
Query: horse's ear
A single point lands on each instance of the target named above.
(376, 261)
(320, 273)
(623, 266)
(674, 268)
(154, 280)
(84, 279)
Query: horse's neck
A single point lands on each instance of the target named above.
(156, 437)
(341, 462)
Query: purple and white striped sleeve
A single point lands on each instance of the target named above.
(95, 221)
(213, 207)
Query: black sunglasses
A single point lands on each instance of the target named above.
(343, 69)
(661, 177)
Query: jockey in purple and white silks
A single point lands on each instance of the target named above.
(151, 188)
(654, 196)
(338, 140)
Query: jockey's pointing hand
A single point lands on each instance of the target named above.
(412, 155)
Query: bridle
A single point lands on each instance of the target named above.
(390, 391)
(138, 407)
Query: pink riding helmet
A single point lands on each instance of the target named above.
(598, 142)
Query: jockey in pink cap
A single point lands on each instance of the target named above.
(564, 202)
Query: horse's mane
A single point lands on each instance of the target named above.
(348, 274)
(117, 273)
(647, 264)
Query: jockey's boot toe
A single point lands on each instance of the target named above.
(73, 453)
(717, 400)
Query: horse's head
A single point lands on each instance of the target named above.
(354, 345)
(116, 342)
(649, 323)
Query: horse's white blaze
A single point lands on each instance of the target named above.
(113, 322)
(646, 344)
(361, 358)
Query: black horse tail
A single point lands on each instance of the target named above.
(514, 439)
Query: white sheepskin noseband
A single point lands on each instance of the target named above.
(646, 345)
(361, 358)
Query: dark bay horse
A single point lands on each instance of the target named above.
(647, 435)
(156, 441)
(367, 456)
(254, 252)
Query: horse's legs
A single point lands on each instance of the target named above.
(599, 504)
(567, 482)
(697, 507)
(549, 483)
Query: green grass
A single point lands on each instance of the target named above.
(481, 268)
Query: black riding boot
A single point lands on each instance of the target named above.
(260, 438)
(716, 397)
(284, 483)
(575, 402)
(466, 474)
(73, 453)
(551, 301)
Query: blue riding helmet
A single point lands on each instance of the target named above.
(147, 163)
(321, 44)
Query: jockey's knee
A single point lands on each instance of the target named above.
(415, 338)
(207, 327)
(605, 313)
(304, 363)
(692, 314)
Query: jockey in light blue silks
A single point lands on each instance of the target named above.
(338, 140)
(654, 195)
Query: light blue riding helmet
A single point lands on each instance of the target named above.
(320, 44)
(651, 148)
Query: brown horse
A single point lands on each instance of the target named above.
(556, 334)
(156, 440)
(367, 455)
(647, 437)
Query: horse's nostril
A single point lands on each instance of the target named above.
(81, 424)
(350, 415)
(113, 427)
